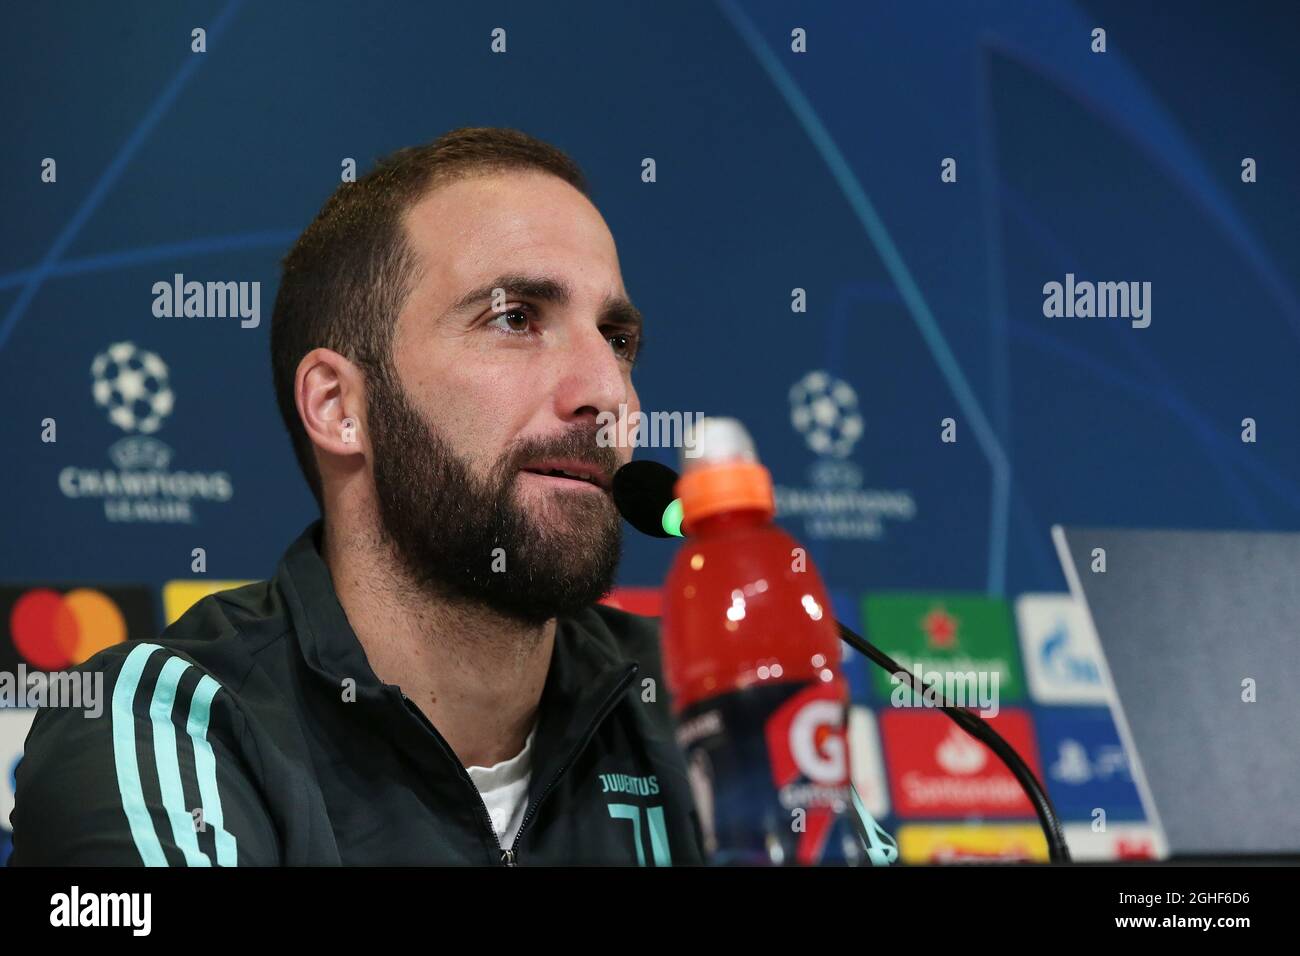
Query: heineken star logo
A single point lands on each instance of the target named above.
(940, 629)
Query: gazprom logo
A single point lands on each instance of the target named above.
(1063, 660)
(1061, 663)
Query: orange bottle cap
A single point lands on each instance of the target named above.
(725, 486)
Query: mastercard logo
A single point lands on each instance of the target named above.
(54, 630)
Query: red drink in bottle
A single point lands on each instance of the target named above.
(752, 654)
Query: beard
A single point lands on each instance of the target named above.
(445, 524)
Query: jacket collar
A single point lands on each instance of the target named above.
(587, 675)
(329, 645)
(587, 672)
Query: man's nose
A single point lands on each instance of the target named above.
(592, 378)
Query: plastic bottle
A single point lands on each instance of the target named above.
(752, 653)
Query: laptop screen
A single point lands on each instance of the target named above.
(1201, 636)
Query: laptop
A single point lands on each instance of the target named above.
(1200, 632)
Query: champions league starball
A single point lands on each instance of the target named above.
(131, 383)
(824, 409)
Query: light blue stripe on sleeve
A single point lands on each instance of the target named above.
(167, 757)
(124, 759)
(205, 765)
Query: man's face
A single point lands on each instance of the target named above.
(494, 393)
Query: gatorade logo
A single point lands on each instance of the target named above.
(805, 737)
(810, 766)
(816, 742)
(51, 629)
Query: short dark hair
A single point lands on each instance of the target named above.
(347, 277)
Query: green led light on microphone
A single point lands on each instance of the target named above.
(672, 520)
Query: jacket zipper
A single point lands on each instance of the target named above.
(510, 857)
(507, 857)
(601, 714)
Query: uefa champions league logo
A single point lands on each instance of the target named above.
(131, 383)
(824, 411)
(133, 386)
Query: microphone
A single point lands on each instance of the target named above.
(644, 492)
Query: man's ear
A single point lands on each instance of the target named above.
(330, 395)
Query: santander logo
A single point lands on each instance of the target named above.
(959, 754)
(936, 770)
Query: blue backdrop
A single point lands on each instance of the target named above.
(776, 171)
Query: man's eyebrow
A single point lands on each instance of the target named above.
(543, 288)
(618, 309)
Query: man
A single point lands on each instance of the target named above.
(427, 678)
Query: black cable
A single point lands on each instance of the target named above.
(975, 725)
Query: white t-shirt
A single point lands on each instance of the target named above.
(504, 787)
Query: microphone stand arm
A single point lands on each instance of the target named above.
(976, 726)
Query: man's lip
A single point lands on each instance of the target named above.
(598, 475)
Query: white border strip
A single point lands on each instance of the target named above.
(1116, 705)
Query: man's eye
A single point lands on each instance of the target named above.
(515, 321)
(625, 345)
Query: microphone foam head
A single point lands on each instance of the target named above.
(643, 492)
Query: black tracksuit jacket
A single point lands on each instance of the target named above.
(234, 740)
